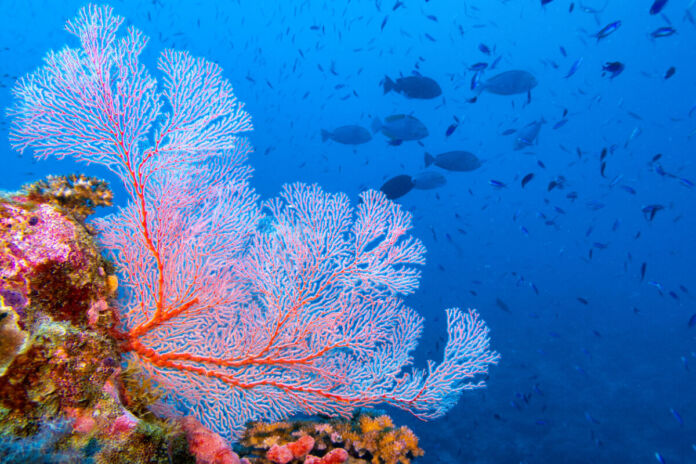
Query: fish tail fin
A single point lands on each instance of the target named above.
(387, 84)
(376, 125)
(325, 135)
(429, 159)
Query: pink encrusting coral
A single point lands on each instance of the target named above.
(240, 315)
(32, 237)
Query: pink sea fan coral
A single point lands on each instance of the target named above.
(238, 321)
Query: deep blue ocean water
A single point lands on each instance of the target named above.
(611, 380)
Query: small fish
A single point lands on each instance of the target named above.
(692, 321)
(475, 83)
(664, 31)
(595, 205)
(583, 301)
(573, 69)
(670, 72)
(642, 271)
(497, 183)
(650, 211)
(528, 135)
(501, 304)
(527, 178)
(478, 66)
(484, 49)
(657, 6)
(613, 67)
(657, 285)
(607, 30)
(560, 123)
(450, 130)
(659, 458)
(677, 416)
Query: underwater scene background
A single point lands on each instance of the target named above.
(583, 271)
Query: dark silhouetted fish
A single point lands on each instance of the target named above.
(399, 127)
(348, 135)
(397, 186)
(657, 6)
(528, 135)
(509, 83)
(454, 161)
(614, 68)
(428, 180)
(413, 87)
(526, 179)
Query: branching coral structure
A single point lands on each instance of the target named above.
(238, 322)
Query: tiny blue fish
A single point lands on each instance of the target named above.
(574, 68)
(664, 31)
(677, 416)
(478, 66)
(607, 30)
(560, 124)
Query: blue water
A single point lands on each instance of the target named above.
(578, 383)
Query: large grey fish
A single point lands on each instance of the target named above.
(427, 180)
(509, 83)
(454, 161)
(413, 87)
(348, 135)
(400, 127)
(528, 135)
(397, 186)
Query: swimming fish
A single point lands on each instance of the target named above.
(528, 135)
(413, 87)
(457, 160)
(400, 127)
(427, 180)
(397, 186)
(664, 31)
(607, 30)
(657, 6)
(509, 83)
(613, 67)
(347, 135)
